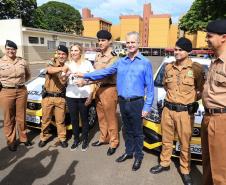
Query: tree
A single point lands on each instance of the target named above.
(24, 9)
(201, 12)
(60, 17)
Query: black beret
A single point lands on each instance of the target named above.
(104, 34)
(217, 26)
(10, 44)
(184, 44)
(63, 48)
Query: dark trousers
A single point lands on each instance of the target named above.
(132, 122)
(77, 108)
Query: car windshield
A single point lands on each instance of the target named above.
(159, 78)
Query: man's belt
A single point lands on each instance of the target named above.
(175, 106)
(107, 85)
(62, 95)
(120, 98)
(13, 87)
(216, 110)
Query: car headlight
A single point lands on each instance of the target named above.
(153, 116)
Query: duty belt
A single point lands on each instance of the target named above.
(62, 95)
(175, 106)
(107, 85)
(216, 110)
(120, 98)
(15, 87)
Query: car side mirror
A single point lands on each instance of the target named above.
(42, 71)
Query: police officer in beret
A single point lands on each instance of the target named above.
(183, 82)
(106, 95)
(14, 72)
(214, 101)
(53, 102)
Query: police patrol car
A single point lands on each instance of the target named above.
(152, 126)
(34, 108)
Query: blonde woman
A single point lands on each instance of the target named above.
(78, 98)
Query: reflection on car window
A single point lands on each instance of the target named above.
(159, 78)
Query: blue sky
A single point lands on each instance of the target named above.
(112, 9)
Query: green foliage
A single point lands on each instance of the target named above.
(24, 9)
(60, 17)
(201, 12)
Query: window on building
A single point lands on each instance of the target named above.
(42, 41)
(86, 45)
(33, 40)
(51, 45)
(62, 43)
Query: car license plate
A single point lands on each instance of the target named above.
(195, 149)
(33, 119)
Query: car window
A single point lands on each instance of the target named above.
(159, 77)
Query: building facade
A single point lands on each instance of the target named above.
(38, 44)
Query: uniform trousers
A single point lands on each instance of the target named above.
(181, 124)
(53, 106)
(14, 102)
(214, 149)
(106, 105)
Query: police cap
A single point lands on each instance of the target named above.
(104, 34)
(63, 48)
(184, 44)
(10, 44)
(217, 26)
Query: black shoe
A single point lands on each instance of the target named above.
(28, 143)
(98, 143)
(84, 145)
(42, 143)
(111, 151)
(159, 169)
(187, 179)
(124, 157)
(63, 144)
(74, 145)
(12, 147)
(136, 164)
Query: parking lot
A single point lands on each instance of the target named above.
(53, 165)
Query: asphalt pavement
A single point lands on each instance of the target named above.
(53, 165)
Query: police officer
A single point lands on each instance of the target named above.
(53, 102)
(14, 72)
(106, 95)
(214, 101)
(183, 82)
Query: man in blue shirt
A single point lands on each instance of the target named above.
(134, 80)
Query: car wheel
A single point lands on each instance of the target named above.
(92, 117)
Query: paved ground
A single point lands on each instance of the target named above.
(53, 165)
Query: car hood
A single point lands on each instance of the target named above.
(160, 94)
(34, 89)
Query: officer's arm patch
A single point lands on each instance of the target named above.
(113, 53)
(50, 63)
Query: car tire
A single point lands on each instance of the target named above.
(92, 115)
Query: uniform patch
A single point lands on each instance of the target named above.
(190, 73)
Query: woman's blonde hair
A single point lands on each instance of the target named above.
(81, 49)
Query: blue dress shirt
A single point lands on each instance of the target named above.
(134, 78)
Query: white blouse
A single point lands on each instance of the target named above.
(72, 90)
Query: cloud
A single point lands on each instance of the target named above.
(112, 9)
